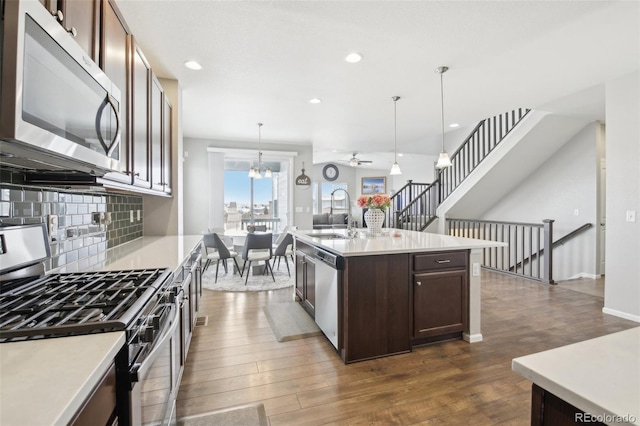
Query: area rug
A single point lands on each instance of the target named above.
(245, 415)
(289, 321)
(231, 281)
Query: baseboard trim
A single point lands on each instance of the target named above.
(472, 338)
(585, 275)
(620, 314)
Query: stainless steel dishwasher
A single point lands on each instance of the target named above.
(327, 268)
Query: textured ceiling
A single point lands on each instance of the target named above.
(263, 60)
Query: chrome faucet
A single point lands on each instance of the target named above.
(350, 232)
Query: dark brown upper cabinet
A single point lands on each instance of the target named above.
(140, 132)
(81, 19)
(156, 100)
(167, 143)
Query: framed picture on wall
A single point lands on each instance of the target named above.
(374, 185)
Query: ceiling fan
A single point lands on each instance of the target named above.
(355, 161)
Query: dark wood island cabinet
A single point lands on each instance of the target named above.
(391, 302)
(440, 296)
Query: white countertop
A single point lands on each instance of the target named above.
(390, 241)
(142, 253)
(45, 382)
(599, 376)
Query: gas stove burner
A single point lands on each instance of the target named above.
(84, 315)
(79, 303)
(11, 322)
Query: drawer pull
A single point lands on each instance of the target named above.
(444, 261)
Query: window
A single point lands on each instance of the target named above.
(239, 200)
(322, 200)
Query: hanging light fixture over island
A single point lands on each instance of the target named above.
(395, 168)
(443, 161)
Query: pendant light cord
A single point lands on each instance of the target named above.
(259, 147)
(442, 106)
(395, 127)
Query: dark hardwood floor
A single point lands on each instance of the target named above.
(235, 359)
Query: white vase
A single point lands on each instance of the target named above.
(374, 219)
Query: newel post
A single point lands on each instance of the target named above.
(548, 248)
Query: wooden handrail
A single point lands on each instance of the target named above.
(558, 242)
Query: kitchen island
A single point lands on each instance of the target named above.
(390, 292)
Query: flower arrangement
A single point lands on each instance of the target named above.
(376, 201)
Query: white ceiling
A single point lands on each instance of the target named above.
(263, 60)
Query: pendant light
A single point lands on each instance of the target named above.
(258, 172)
(395, 168)
(444, 160)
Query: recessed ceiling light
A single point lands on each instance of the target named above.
(400, 154)
(353, 57)
(193, 65)
(454, 125)
(315, 101)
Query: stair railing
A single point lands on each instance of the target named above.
(402, 198)
(420, 212)
(522, 254)
(558, 242)
(475, 148)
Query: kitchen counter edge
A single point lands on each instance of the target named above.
(390, 241)
(599, 376)
(47, 381)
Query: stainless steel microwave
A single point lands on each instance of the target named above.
(58, 110)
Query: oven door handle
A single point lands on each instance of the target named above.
(140, 370)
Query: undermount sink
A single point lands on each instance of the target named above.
(328, 236)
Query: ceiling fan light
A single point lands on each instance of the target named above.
(395, 169)
(443, 161)
(353, 162)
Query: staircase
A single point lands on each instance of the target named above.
(415, 205)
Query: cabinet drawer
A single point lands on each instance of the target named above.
(440, 261)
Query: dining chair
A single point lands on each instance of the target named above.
(228, 241)
(219, 252)
(257, 247)
(284, 249)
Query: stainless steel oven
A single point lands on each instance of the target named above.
(141, 303)
(58, 110)
(154, 379)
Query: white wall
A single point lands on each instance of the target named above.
(198, 187)
(564, 185)
(622, 284)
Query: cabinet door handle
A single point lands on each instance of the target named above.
(72, 31)
(444, 261)
(58, 15)
(419, 283)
